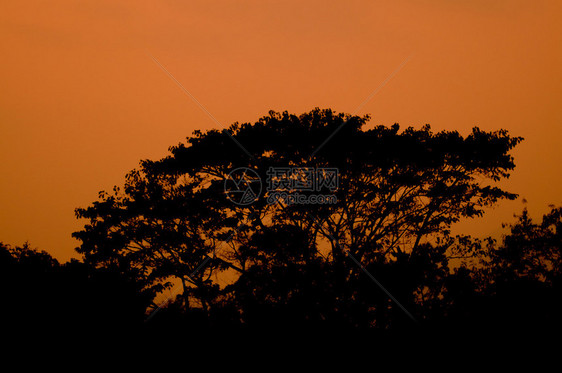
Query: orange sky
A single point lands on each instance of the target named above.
(81, 101)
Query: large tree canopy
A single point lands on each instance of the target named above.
(398, 191)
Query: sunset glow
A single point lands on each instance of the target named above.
(82, 100)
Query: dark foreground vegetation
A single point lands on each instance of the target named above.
(514, 287)
(315, 267)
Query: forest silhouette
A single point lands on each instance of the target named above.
(381, 258)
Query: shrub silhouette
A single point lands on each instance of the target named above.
(44, 296)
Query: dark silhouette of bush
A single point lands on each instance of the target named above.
(42, 296)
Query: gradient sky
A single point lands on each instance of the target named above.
(82, 101)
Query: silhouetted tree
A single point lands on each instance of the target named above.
(399, 192)
(524, 274)
(532, 251)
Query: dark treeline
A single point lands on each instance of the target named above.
(278, 266)
(513, 286)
